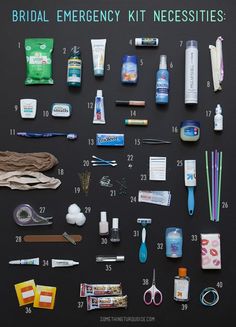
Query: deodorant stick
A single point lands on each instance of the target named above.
(191, 72)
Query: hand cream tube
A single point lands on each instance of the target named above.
(98, 50)
(99, 114)
(33, 261)
(63, 263)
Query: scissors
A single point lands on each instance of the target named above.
(152, 294)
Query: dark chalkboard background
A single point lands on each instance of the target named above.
(72, 154)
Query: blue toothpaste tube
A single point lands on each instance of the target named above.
(110, 139)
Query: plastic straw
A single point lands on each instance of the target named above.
(216, 184)
(208, 184)
(212, 185)
(220, 182)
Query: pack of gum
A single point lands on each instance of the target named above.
(110, 139)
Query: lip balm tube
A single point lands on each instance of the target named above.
(98, 50)
(146, 41)
(136, 122)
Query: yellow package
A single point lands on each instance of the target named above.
(25, 292)
(45, 297)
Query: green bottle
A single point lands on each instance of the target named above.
(74, 68)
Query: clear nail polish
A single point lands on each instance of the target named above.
(115, 232)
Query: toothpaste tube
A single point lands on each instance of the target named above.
(112, 302)
(110, 139)
(100, 289)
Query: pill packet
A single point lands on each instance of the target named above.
(108, 302)
(38, 53)
(100, 289)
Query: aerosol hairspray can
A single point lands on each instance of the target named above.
(191, 72)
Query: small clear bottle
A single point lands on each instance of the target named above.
(115, 232)
(103, 224)
(218, 119)
(181, 286)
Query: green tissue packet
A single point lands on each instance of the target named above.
(38, 61)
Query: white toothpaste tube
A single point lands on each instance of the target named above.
(33, 262)
(99, 113)
(63, 263)
(98, 50)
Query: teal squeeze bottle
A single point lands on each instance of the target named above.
(74, 68)
(162, 82)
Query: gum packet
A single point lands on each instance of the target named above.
(38, 61)
(108, 302)
(100, 289)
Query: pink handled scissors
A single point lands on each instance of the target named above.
(152, 294)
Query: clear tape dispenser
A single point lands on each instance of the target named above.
(25, 215)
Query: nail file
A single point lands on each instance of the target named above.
(190, 182)
(50, 238)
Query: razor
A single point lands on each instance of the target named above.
(143, 247)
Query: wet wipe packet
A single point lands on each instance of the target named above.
(38, 61)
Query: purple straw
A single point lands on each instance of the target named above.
(216, 184)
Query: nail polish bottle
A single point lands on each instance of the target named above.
(115, 232)
(103, 224)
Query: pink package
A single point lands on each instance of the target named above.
(210, 251)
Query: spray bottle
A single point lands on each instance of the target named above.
(162, 82)
(74, 68)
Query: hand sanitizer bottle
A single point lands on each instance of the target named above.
(181, 286)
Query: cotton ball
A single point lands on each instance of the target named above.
(74, 209)
(71, 219)
(80, 219)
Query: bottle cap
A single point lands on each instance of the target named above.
(75, 50)
(99, 93)
(128, 58)
(103, 216)
(191, 44)
(163, 62)
(120, 258)
(115, 223)
(218, 109)
(182, 272)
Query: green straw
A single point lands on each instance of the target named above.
(219, 189)
(208, 184)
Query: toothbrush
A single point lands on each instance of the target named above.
(143, 246)
(69, 136)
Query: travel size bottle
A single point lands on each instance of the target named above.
(191, 72)
(162, 82)
(218, 119)
(115, 233)
(74, 68)
(181, 286)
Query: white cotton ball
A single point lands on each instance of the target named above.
(71, 219)
(80, 219)
(74, 209)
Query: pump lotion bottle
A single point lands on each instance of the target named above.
(191, 72)
(162, 82)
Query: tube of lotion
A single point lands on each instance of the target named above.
(98, 50)
(99, 113)
(63, 263)
(33, 261)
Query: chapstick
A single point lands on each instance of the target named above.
(132, 103)
(136, 122)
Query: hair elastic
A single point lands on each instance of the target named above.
(213, 292)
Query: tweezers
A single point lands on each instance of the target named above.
(154, 141)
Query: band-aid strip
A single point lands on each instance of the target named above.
(49, 238)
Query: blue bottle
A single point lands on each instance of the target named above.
(162, 82)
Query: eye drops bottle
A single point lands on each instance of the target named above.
(191, 72)
(115, 233)
(74, 68)
(181, 286)
(103, 224)
(162, 82)
(218, 119)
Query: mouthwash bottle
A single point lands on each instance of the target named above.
(162, 82)
(74, 68)
(181, 286)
